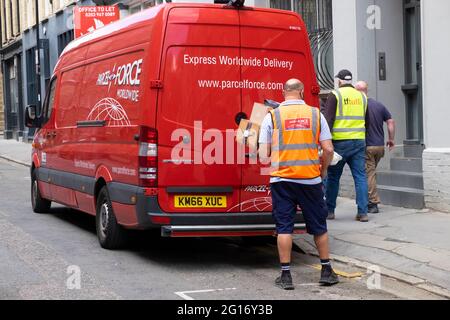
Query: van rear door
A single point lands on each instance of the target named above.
(278, 41)
(196, 107)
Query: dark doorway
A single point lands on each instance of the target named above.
(13, 98)
(413, 71)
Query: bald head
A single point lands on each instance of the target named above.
(362, 86)
(293, 89)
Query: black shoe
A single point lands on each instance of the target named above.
(284, 282)
(331, 216)
(373, 208)
(328, 277)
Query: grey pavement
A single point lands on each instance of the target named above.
(408, 245)
(16, 151)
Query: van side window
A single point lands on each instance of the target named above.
(49, 102)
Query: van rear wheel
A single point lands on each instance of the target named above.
(110, 234)
(39, 204)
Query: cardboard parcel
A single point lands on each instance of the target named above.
(249, 130)
(248, 133)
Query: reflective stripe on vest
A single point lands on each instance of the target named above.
(350, 123)
(295, 142)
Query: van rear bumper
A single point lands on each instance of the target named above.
(217, 224)
(224, 230)
(151, 216)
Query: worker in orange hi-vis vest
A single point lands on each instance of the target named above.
(290, 137)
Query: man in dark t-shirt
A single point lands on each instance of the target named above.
(378, 115)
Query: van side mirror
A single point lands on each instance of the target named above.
(31, 118)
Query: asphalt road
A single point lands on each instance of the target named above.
(40, 256)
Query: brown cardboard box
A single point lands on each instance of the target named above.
(259, 112)
(248, 134)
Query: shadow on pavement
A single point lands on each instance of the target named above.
(187, 251)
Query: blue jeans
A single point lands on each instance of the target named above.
(353, 153)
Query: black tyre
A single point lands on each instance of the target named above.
(110, 234)
(39, 204)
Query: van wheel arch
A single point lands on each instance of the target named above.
(99, 184)
(38, 203)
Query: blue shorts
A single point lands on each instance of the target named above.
(288, 196)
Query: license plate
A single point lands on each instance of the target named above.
(200, 201)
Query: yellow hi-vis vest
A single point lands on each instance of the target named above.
(295, 142)
(350, 123)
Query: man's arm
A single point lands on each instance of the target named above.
(265, 152)
(387, 117)
(327, 156)
(391, 130)
(265, 139)
(326, 144)
(367, 118)
(329, 110)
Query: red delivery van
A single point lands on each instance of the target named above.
(139, 122)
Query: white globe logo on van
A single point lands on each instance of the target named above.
(110, 111)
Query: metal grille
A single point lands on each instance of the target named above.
(318, 17)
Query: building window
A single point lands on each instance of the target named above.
(12, 71)
(144, 5)
(64, 39)
(30, 61)
(12, 67)
(281, 4)
(11, 19)
(152, 3)
(135, 9)
(3, 21)
(318, 17)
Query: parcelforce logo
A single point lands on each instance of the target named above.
(124, 75)
(298, 124)
(258, 189)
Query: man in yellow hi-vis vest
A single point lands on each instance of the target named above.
(346, 113)
(290, 137)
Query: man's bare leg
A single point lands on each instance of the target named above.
(322, 246)
(285, 247)
(284, 250)
(328, 276)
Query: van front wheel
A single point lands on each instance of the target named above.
(39, 204)
(110, 234)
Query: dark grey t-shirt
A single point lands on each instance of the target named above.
(378, 115)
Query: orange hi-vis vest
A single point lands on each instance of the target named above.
(295, 142)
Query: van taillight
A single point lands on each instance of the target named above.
(148, 157)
